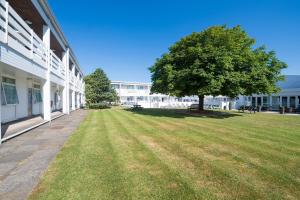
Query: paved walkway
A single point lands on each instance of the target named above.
(24, 158)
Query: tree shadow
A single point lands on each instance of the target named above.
(183, 113)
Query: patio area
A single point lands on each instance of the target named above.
(15, 128)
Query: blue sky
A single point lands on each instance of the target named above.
(125, 37)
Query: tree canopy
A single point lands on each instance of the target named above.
(216, 61)
(98, 88)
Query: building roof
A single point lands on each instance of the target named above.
(291, 82)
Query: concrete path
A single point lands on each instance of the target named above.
(24, 158)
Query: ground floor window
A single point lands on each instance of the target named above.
(9, 93)
(293, 102)
(284, 101)
(37, 95)
(265, 101)
(276, 101)
(259, 103)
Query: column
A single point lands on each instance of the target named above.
(288, 101)
(296, 104)
(256, 102)
(73, 100)
(66, 89)
(47, 84)
(271, 101)
(280, 101)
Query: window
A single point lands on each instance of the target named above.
(115, 86)
(9, 91)
(141, 87)
(284, 101)
(293, 102)
(128, 87)
(265, 101)
(37, 95)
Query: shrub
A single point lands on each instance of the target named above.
(99, 105)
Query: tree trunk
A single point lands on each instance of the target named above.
(201, 103)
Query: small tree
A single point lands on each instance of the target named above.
(98, 88)
(216, 61)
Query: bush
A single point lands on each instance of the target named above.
(99, 106)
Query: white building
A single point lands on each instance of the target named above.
(131, 93)
(289, 97)
(39, 73)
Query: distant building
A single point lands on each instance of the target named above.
(289, 97)
(131, 93)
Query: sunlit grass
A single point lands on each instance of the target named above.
(161, 154)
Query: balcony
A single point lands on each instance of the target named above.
(18, 35)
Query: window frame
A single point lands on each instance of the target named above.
(3, 91)
(37, 88)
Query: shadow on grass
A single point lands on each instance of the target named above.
(182, 113)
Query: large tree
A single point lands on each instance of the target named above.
(98, 88)
(216, 61)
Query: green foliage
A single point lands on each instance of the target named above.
(217, 61)
(102, 105)
(98, 88)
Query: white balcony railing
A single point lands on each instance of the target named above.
(71, 77)
(16, 33)
(56, 64)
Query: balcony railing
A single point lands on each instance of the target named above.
(56, 64)
(16, 33)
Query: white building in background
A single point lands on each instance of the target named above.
(39, 73)
(289, 96)
(132, 93)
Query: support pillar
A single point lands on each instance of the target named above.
(270, 101)
(280, 101)
(66, 93)
(47, 84)
(288, 101)
(73, 100)
(256, 102)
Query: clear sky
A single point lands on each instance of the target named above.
(124, 37)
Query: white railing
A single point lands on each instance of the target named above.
(17, 34)
(71, 77)
(39, 50)
(56, 65)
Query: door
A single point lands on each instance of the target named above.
(292, 102)
(30, 102)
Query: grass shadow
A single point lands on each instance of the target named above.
(182, 113)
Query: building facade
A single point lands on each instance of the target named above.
(39, 73)
(131, 93)
(288, 97)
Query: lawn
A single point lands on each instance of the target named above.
(161, 154)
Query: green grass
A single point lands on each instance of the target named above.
(161, 154)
